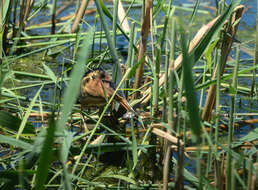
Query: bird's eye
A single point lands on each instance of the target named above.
(102, 74)
(87, 80)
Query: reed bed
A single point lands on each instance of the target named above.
(196, 117)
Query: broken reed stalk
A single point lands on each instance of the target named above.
(177, 63)
(207, 148)
(64, 18)
(29, 4)
(166, 135)
(82, 10)
(142, 44)
(79, 14)
(227, 42)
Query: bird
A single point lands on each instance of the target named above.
(96, 88)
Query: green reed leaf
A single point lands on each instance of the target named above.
(72, 90)
(46, 155)
(192, 105)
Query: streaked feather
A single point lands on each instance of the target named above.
(96, 87)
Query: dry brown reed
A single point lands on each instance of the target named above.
(227, 42)
(177, 63)
(142, 45)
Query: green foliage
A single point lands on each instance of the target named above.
(25, 118)
(213, 32)
(190, 92)
(46, 155)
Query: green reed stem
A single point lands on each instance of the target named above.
(218, 61)
(195, 10)
(130, 58)
(165, 96)
(77, 42)
(169, 92)
(156, 82)
(231, 121)
(233, 180)
(127, 11)
(115, 21)
(203, 80)
(250, 173)
(116, 70)
(217, 108)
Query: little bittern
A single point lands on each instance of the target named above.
(97, 88)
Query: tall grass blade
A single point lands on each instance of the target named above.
(68, 138)
(115, 13)
(72, 89)
(134, 145)
(116, 69)
(192, 105)
(109, 15)
(5, 10)
(27, 114)
(50, 73)
(197, 3)
(46, 155)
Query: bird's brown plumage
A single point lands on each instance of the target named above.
(96, 88)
